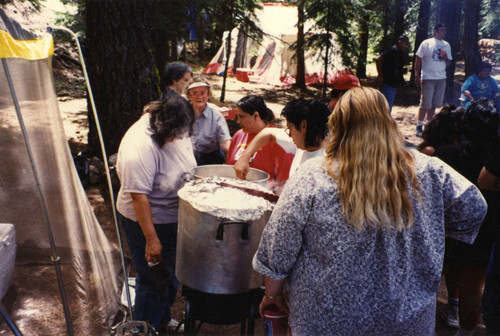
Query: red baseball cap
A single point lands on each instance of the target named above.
(345, 82)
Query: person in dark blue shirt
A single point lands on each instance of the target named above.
(390, 68)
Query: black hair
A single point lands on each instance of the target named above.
(439, 25)
(170, 118)
(174, 72)
(443, 129)
(478, 134)
(484, 65)
(402, 38)
(253, 103)
(314, 112)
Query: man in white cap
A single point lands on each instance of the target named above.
(211, 138)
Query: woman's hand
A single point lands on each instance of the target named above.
(274, 296)
(279, 302)
(153, 250)
(242, 166)
(145, 218)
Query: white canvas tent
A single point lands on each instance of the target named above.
(271, 61)
(66, 278)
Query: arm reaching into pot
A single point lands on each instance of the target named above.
(267, 135)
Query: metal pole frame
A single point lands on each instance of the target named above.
(104, 155)
(55, 256)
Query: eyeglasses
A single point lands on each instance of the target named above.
(288, 131)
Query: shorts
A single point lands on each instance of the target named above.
(432, 93)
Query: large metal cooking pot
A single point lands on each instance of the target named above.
(254, 175)
(214, 254)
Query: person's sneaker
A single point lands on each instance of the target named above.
(174, 327)
(419, 131)
(452, 316)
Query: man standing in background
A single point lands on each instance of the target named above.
(432, 57)
(390, 69)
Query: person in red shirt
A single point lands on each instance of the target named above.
(253, 116)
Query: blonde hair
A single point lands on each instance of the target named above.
(366, 155)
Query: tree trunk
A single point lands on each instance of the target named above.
(400, 25)
(422, 26)
(327, 51)
(200, 32)
(450, 14)
(385, 42)
(121, 67)
(161, 49)
(363, 47)
(472, 57)
(300, 77)
(226, 66)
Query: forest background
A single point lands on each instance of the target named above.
(127, 44)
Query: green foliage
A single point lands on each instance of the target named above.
(489, 26)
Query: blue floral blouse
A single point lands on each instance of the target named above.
(344, 281)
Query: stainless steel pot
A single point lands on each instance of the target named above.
(254, 175)
(214, 254)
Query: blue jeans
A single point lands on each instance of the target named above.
(155, 287)
(490, 306)
(389, 92)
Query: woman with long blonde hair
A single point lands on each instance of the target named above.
(358, 236)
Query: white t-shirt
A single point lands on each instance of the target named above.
(143, 167)
(433, 67)
(301, 156)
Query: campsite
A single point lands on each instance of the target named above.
(90, 279)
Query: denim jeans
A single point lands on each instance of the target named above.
(389, 92)
(155, 287)
(490, 306)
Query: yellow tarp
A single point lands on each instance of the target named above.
(39, 48)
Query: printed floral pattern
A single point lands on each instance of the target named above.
(343, 281)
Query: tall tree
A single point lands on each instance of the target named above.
(400, 23)
(472, 57)
(385, 42)
(363, 44)
(490, 27)
(120, 65)
(450, 14)
(168, 26)
(340, 18)
(300, 78)
(424, 12)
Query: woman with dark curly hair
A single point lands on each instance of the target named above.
(303, 136)
(254, 116)
(465, 265)
(153, 155)
(442, 129)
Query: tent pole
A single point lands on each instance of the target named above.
(55, 257)
(105, 159)
(12, 325)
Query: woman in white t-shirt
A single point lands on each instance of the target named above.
(153, 156)
(304, 135)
